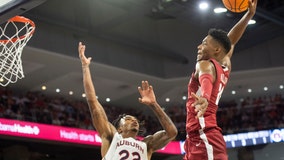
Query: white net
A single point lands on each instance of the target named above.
(15, 34)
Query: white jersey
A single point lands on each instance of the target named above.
(126, 149)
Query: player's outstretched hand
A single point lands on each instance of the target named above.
(84, 60)
(147, 94)
(200, 105)
(252, 6)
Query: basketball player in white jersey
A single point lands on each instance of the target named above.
(119, 140)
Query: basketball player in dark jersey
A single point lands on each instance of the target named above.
(204, 138)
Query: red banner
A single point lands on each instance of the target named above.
(63, 134)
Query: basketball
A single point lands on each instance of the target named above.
(236, 6)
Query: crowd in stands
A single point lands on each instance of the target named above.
(249, 115)
(258, 113)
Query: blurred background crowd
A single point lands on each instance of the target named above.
(234, 116)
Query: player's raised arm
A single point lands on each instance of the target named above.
(161, 138)
(239, 28)
(99, 118)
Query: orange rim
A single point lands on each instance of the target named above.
(20, 19)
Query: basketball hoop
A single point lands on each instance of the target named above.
(15, 34)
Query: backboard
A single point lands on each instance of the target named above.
(11, 8)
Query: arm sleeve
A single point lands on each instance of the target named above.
(206, 85)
